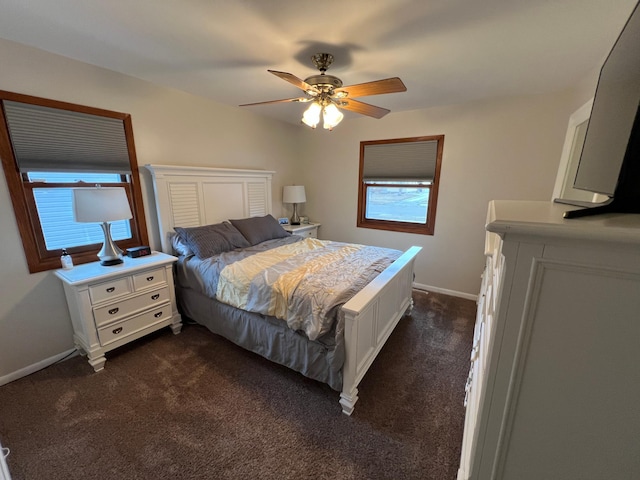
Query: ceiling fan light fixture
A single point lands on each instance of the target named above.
(332, 116)
(311, 115)
(328, 91)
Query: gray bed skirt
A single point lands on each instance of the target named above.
(270, 337)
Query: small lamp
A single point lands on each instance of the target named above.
(102, 205)
(294, 194)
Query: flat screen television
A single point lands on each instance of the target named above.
(610, 159)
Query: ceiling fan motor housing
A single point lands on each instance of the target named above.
(324, 81)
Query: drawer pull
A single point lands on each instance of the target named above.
(117, 330)
(149, 278)
(113, 311)
(157, 315)
(155, 297)
(111, 289)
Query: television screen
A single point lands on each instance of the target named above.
(615, 107)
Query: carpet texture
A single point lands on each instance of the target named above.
(195, 406)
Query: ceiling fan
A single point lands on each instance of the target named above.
(327, 94)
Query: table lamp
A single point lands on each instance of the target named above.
(294, 194)
(102, 205)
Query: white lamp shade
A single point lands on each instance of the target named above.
(311, 116)
(293, 194)
(101, 204)
(332, 116)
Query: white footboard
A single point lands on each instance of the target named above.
(370, 317)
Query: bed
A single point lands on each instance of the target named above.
(339, 353)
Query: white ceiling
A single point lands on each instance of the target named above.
(445, 51)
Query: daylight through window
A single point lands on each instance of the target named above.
(54, 205)
(399, 183)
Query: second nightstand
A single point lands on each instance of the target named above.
(307, 230)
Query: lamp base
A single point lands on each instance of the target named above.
(110, 263)
(295, 219)
(110, 254)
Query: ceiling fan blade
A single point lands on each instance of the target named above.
(293, 80)
(378, 87)
(363, 108)
(301, 99)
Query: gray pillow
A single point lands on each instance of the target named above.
(260, 229)
(209, 240)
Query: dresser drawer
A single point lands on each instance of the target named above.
(149, 279)
(115, 311)
(128, 327)
(108, 290)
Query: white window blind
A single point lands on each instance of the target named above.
(410, 161)
(52, 139)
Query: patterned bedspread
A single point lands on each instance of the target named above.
(304, 283)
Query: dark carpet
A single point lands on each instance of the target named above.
(195, 406)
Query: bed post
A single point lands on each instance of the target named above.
(349, 395)
(370, 317)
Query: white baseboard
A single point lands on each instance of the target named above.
(453, 293)
(23, 372)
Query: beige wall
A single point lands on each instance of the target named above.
(497, 149)
(170, 127)
(507, 148)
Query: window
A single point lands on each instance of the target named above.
(47, 149)
(398, 184)
(53, 197)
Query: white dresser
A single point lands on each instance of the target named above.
(4, 469)
(554, 384)
(111, 306)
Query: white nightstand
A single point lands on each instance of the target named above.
(111, 306)
(309, 230)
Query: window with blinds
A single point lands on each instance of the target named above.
(47, 149)
(398, 184)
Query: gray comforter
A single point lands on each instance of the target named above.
(301, 281)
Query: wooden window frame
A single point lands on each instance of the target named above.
(38, 258)
(426, 228)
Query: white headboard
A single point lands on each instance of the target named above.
(193, 196)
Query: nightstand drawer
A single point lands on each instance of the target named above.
(305, 230)
(313, 233)
(111, 313)
(108, 290)
(148, 279)
(117, 331)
